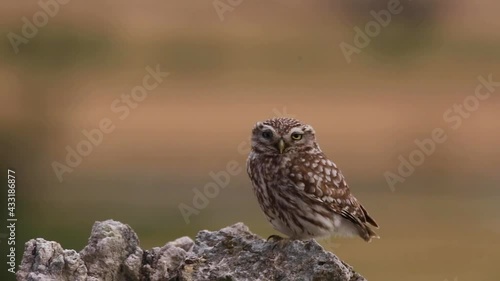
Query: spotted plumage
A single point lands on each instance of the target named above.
(302, 193)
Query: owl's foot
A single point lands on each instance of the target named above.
(279, 241)
(275, 238)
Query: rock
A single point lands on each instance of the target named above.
(46, 260)
(230, 254)
(162, 263)
(113, 252)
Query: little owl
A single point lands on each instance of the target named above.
(302, 193)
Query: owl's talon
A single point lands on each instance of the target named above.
(277, 241)
(275, 238)
(281, 243)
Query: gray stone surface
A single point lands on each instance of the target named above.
(230, 254)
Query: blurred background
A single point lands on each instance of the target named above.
(232, 64)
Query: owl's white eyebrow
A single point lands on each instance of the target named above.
(267, 127)
(296, 130)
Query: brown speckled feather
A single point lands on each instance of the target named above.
(320, 178)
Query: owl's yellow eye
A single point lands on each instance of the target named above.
(296, 136)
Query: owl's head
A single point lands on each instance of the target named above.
(283, 136)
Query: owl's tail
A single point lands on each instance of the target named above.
(369, 219)
(367, 233)
(364, 230)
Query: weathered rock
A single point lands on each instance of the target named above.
(162, 263)
(232, 253)
(46, 260)
(113, 252)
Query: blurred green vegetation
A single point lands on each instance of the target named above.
(57, 48)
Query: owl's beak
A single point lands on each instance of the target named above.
(281, 146)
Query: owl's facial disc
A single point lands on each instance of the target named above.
(274, 137)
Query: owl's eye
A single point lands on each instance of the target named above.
(296, 136)
(267, 134)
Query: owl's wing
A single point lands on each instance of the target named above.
(321, 180)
